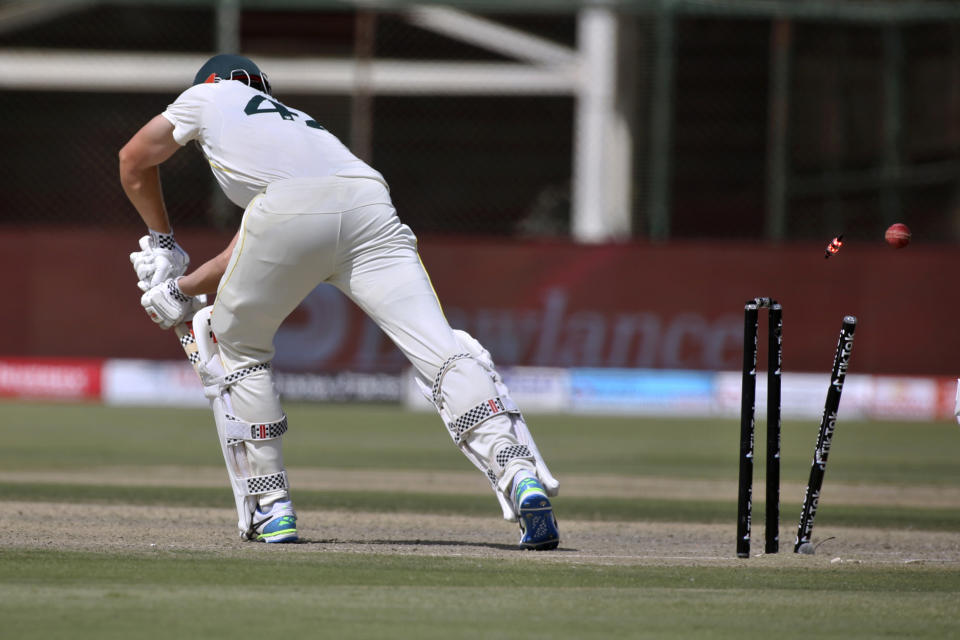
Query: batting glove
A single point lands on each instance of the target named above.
(159, 259)
(167, 305)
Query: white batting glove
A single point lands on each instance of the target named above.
(159, 259)
(167, 305)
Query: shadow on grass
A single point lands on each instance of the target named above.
(424, 543)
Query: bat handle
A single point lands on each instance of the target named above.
(188, 340)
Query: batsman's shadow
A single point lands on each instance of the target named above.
(417, 543)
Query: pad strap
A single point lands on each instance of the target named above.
(437, 396)
(257, 485)
(477, 415)
(510, 453)
(240, 374)
(237, 429)
(212, 378)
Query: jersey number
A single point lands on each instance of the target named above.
(254, 107)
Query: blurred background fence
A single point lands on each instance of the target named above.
(749, 119)
(594, 184)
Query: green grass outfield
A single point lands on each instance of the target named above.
(56, 593)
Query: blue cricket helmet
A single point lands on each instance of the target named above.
(228, 66)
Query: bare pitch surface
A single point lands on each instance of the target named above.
(121, 520)
(124, 529)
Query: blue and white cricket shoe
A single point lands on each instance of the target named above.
(538, 525)
(277, 524)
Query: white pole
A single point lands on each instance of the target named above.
(602, 140)
(228, 26)
(223, 212)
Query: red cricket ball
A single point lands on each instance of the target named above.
(897, 235)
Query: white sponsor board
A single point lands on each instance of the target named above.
(534, 389)
(339, 387)
(802, 394)
(151, 383)
(554, 390)
(913, 398)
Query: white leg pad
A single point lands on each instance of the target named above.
(251, 450)
(485, 422)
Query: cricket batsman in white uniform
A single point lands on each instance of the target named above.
(313, 213)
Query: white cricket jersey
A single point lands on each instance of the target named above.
(251, 139)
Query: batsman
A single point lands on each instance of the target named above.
(313, 213)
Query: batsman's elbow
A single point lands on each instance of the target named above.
(133, 172)
(128, 173)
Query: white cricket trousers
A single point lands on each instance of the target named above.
(344, 231)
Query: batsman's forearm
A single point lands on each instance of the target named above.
(204, 279)
(142, 186)
(207, 276)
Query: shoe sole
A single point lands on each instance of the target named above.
(278, 538)
(280, 535)
(540, 519)
(284, 529)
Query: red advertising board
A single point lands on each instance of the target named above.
(663, 306)
(57, 379)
